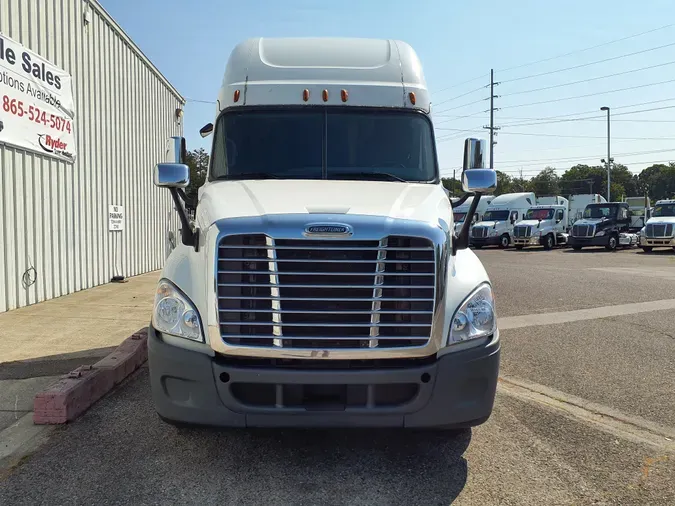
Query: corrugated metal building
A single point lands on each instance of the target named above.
(54, 236)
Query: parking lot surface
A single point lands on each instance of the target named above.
(584, 415)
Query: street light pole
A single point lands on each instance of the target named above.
(608, 154)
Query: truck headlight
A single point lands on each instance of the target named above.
(475, 318)
(600, 234)
(493, 233)
(175, 314)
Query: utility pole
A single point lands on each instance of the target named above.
(453, 182)
(609, 160)
(492, 126)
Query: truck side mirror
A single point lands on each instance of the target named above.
(206, 130)
(476, 178)
(172, 175)
(175, 175)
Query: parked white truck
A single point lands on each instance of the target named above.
(461, 211)
(659, 231)
(320, 283)
(496, 227)
(543, 225)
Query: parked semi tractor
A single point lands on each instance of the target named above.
(543, 225)
(496, 227)
(321, 283)
(603, 224)
(659, 231)
(461, 212)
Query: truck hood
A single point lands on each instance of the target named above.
(534, 223)
(490, 223)
(589, 221)
(661, 219)
(236, 199)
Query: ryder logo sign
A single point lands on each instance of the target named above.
(52, 145)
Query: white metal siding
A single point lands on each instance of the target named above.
(53, 215)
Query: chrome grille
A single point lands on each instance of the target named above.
(659, 230)
(522, 231)
(479, 232)
(325, 294)
(583, 230)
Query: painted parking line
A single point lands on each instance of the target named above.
(609, 420)
(648, 272)
(532, 320)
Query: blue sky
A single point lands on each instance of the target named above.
(457, 42)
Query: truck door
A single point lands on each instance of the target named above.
(560, 220)
(623, 218)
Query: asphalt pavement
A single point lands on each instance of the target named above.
(563, 446)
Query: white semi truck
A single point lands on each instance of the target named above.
(461, 211)
(496, 227)
(543, 225)
(659, 231)
(320, 283)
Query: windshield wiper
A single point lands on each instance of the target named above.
(378, 175)
(250, 175)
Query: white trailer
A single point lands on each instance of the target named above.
(579, 202)
(496, 227)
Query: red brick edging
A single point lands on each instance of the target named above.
(75, 392)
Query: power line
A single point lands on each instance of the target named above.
(598, 117)
(568, 159)
(571, 83)
(464, 105)
(462, 95)
(200, 101)
(473, 79)
(591, 137)
(582, 65)
(588, 94)
(577, 51)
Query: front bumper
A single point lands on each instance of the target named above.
(526, 241)
(657, 242)
(455, 390)
(588, 241)
(485, 241)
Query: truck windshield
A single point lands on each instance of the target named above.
(324, 144)
(664, 210)
(599, 212)
(539, 214)
(496, 216)
(459, 217)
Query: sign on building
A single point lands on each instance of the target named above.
(37, 112)
(115, 218)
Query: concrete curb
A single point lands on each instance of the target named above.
(75, 392)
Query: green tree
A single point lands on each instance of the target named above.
(584, 179)
(504, 183)
(658, 181)
(547, 182)
(626, 182)
(454, 186)
(198, 161)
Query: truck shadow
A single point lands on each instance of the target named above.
(391, 466)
